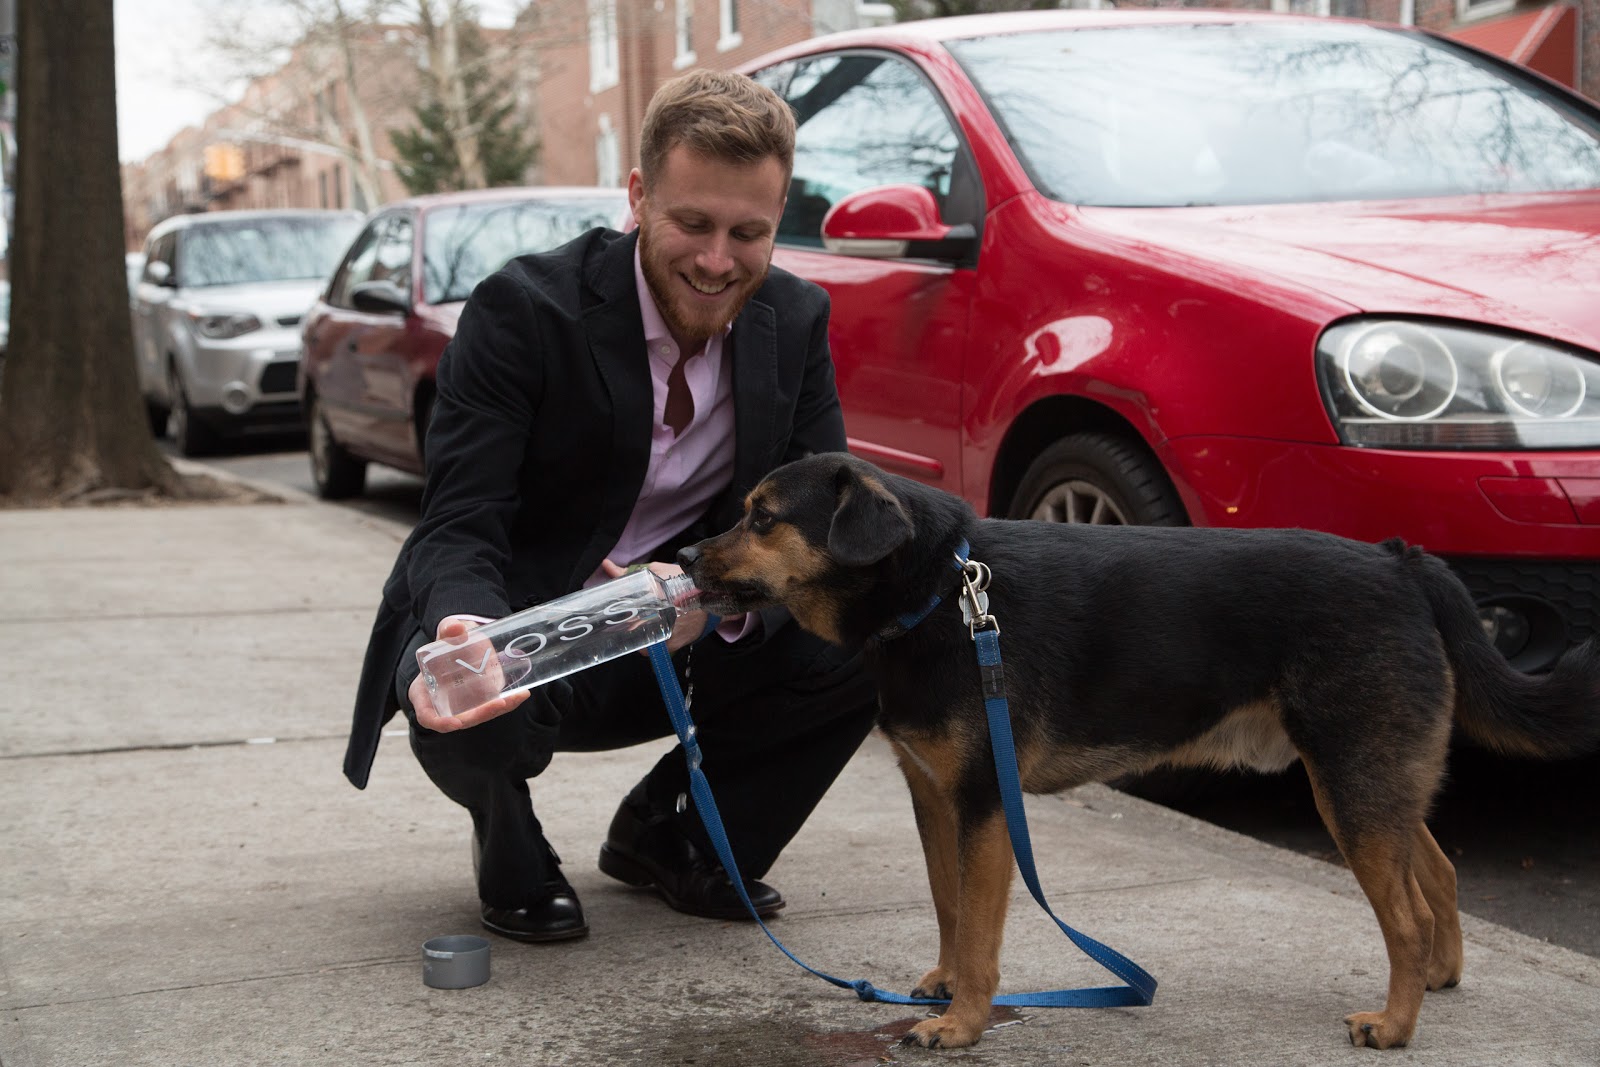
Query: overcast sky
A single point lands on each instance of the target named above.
(154, 37)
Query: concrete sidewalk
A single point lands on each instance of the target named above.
(189, 880)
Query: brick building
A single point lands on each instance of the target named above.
(292, 139)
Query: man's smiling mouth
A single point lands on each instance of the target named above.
(707, 289)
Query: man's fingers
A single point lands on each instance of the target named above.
(491, 709)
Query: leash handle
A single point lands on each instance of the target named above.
(1141, 987)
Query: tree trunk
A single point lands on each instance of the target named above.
(365, 170)
(473, 175)
(72, 422)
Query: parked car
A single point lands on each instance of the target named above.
(1220, 268)
(216, 317)
(133, 263)
(374, 337)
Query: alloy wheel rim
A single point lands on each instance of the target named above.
(1078, 501)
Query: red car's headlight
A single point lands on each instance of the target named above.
(1410, 384)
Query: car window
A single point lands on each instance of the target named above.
(160, 252)
(394, 254)
(358, 264)
(863, 120)
(1162, 116)
(265, 249)
(464, 243)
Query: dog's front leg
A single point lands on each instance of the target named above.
(984, 892)
(936, 825)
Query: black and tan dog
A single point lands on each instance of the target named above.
(1129, 647)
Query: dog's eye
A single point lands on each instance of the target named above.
(761, 521)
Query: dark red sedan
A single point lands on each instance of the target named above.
(371, 342)
(1219, 268)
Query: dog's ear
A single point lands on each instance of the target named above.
(868, 522)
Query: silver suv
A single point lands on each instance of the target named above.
(216, 318)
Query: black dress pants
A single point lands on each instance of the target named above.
(777, 720)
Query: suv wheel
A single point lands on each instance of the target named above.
(338, 474)
(1097, 478)
(193, 437)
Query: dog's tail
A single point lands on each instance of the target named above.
(1548, 716)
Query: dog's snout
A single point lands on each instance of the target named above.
(688, 557)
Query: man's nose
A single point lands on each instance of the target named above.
(715, 256)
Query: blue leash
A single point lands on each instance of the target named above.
(1140, 988)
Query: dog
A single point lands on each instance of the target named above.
(1130, 647)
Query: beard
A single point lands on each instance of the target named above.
(690, 324)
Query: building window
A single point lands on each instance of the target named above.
(729, 18)
(607, 160)
(604, 64)
(1481, 9)
(684, 56)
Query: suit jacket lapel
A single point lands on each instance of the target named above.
(753, 342)
(614, 329)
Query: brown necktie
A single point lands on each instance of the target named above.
(680, 403)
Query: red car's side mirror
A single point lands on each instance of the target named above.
(893, 222)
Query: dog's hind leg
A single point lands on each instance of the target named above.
(1380, 854)
(936, 825)
(1437, 876)
(984, 892)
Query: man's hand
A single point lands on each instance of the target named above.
(486, 685)
(689, 626)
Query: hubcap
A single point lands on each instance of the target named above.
(1079, 501)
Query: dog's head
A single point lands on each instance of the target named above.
(812, 533)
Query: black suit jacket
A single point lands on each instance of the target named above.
(540, 439)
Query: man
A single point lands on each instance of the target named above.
(602, 405)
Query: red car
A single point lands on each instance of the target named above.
(1227, 269)
(370, 344)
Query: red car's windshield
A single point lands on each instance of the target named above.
(1261, 112)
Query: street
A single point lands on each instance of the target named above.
(1522, 835)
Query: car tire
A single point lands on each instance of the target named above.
(1090, 471)
(157, 414)
(338, 475)
(193, 437)
(1098, 478)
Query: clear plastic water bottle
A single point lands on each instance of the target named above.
(554, 639)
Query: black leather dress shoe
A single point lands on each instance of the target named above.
(556, 916)
(645, 849)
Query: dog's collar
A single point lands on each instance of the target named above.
(904, 624)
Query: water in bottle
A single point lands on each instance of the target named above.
(554, 639)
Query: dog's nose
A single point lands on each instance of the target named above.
(688, 557)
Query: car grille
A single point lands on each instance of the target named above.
(1573, 589)
(278, 378)
(290, 320)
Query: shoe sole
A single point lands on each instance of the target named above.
(630, 871)
(536, 939)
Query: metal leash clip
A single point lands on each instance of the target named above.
(974, 601)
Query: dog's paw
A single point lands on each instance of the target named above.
(1374, 1029)
(942, 1032)
(937, 984)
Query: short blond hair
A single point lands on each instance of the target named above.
(719, 115)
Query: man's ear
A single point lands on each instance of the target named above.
(868, 523)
